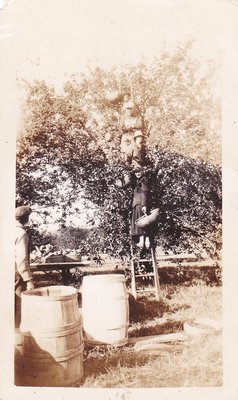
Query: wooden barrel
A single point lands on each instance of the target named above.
(105, 309)
(52, 340)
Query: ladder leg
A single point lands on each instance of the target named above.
(133, 278)
(156, 275)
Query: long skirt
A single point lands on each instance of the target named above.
(136, 213)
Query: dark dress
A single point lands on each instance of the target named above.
(140, 199)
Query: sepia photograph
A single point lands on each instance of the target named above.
(118, 176)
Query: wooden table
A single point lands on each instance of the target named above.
(86, 267)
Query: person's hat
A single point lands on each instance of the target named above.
(138, 133)
(22, 212)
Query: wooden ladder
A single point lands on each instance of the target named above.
(135, 264)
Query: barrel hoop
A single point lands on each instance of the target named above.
(119, 327)
(97, 342)
(63, 328)
(65, 355)
(55, 291)
(88, 296)
(112, 278)
(50, 298)
(103, 328)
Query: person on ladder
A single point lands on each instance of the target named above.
(140, 206)
(135, 158)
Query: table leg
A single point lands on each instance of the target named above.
(66, 274)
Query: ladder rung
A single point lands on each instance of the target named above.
(136, 278)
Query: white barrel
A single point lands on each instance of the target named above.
(105, 309)
(52, 339)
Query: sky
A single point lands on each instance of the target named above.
(52, 39)
(55, 38)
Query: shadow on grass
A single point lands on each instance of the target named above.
(161, 329)
(101, 360)
(146, 308)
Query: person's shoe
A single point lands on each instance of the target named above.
(140, 244)
(147, 242)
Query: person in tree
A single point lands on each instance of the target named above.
(126, 98)
(135, 157)
(23, 274)
(130, 120)
(136, 154)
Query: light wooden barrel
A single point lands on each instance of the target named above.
(105, 309)
(52, 340)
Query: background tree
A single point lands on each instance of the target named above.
(69, 238)
(68, 145)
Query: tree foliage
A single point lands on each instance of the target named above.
(68, 144)
(69, 238)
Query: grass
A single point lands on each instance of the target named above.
(197, 362)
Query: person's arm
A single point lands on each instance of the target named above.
(139, 123)
(22, 260)
(129, 155)
(144, 194)
(124, 184)
(122, 120)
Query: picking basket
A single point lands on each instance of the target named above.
(147, 220)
